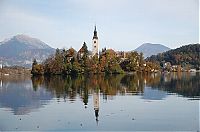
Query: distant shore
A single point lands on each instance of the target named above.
(15, 70)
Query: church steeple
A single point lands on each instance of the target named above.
(95, 33)
(95, 43)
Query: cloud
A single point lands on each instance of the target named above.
(19, 16)
(128, 22)
(18, 21)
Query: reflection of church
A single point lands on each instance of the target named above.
(96, 104)
(1, 84)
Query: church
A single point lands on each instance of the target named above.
(95, 43)
(95, 46)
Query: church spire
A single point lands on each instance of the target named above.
(95, 33)
(95, 43)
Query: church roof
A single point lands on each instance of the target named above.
(95, 33)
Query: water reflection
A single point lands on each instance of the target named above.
(153, 94)
(24, 95)
(18, 94)
(184, 84)
(96, 99)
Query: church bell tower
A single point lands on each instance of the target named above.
(95, 43)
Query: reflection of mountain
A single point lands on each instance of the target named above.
(153, 94)
(20, 97)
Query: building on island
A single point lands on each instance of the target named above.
(95, 43)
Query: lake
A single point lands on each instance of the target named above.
(153, 102)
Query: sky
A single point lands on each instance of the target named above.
(121, 24)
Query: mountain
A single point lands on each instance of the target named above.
(187, 55)
(149, 49)
(21, 50)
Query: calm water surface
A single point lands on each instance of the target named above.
(163, 102)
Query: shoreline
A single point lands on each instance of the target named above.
(12, 71)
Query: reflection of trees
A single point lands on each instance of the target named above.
(133, 83)
(37, 81)
(69, 87)
(181, 83)
(83, 86)
(109, 85)
(63, 86)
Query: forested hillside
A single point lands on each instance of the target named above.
(188, 55)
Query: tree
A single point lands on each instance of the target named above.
(37, 69)
(83, 58)
(134, 61)
(76, 67)
(58, 62)
(34, 62)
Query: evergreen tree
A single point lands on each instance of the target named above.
(37, 69)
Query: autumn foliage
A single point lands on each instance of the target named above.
(71, 62)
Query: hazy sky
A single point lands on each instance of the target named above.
(121, 24)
